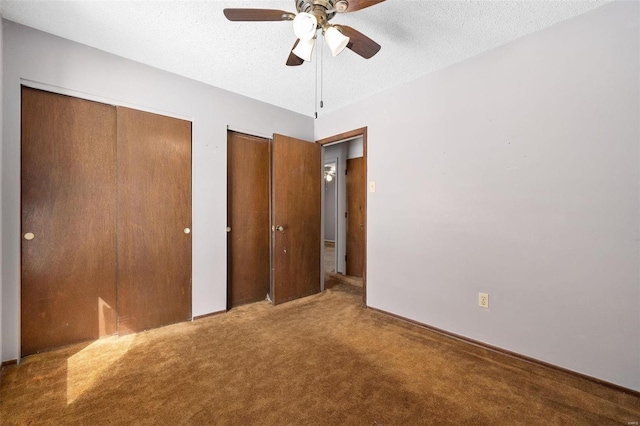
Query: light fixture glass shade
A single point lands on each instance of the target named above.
(336, 40)
(304, 49)
(305, 25)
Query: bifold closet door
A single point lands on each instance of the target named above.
(68, 194)
(154, 220)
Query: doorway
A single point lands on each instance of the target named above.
(344, 210)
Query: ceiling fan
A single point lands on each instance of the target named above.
(313, 15)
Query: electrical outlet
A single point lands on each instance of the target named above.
(483, 300)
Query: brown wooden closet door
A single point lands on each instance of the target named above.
(355, 216)
(248, 217)
(154, 220)
(68, 184)
(296, 192)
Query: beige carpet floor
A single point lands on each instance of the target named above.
(321, 360)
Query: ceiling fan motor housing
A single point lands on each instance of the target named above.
(323, 10)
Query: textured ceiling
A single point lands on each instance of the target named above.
(193, 39)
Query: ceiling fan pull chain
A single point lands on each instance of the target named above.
(322, 72)
(315, 103)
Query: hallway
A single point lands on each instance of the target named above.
(330, 268)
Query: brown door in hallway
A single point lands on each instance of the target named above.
(355, 216)
(154, 220)
(296, 213)
(248, 239)
(68, 194)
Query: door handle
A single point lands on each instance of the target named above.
(187, 230)
(277, 228)
(29, 236)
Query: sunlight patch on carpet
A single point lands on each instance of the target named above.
(84, 373)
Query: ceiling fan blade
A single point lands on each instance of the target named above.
(354, 5)
(294, 60)
(359, 43)
(258, 15)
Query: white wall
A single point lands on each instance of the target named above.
(1, 145)
(515, 173)
(356, 148)
(330, 207)
(66, 67)
(339, 153)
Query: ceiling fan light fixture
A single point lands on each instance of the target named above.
(304, 49)
(336, 40)
(305, 25)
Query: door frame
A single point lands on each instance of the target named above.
(341, 137)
